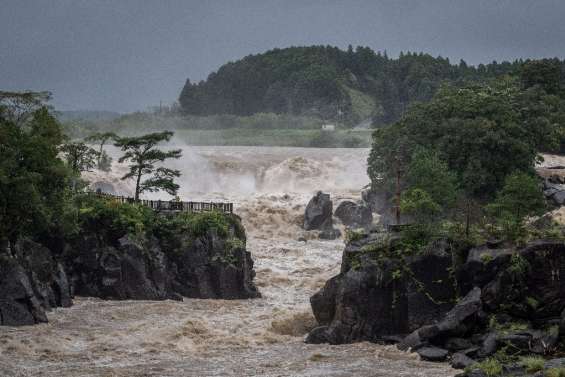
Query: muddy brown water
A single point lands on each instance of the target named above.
(263, 337)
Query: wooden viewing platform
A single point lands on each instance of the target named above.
(171, 205)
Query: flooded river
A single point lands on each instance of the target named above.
(262, 337)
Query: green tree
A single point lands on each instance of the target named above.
(521, 196)
(79, 156)
(429, 173)
(103, 161)
(142, 154)
(33, 179)
(420, 204)
(545, 72)
(474, 130)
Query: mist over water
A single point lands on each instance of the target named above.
(270, 188)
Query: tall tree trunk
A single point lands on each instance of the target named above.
(137, 185)
(468, 218)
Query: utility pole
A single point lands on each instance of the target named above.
(397, 192)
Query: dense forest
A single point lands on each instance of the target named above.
(326, 82)
(464, 154)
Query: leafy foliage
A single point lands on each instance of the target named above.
(521, 196)
(103, 161)
(79, 156)
(33, 179)
(474, 130)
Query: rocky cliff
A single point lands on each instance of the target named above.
(151, 266)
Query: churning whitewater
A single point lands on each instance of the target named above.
(270, 188)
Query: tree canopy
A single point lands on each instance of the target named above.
(482, 132)
(33, 179)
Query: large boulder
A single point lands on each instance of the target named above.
(354, 215)
(318, 214)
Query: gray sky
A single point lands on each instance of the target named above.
(125, 55)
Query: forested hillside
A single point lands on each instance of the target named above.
(322, 81)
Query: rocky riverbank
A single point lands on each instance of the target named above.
(153, 265)
(450, 302)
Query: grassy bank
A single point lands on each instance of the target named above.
(277, 137)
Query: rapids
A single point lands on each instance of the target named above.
(270, 187)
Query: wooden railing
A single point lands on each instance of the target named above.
(171, 205)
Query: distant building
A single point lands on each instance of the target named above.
(328, 127)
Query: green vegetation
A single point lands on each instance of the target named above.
(521, 196)
(34, 181)
(450, 156)
(103, 161)
(555, 372)
(491, 367)
(532, 364)
(39, 197)
(142, 155)
(79, 156)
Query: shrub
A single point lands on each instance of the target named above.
(555, 372)
(117, 218)
(353, 235)
(532, 364)
(491, 367)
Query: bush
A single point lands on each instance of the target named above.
(555, 372)
(116, 218)
(532, 364)
(491, 367)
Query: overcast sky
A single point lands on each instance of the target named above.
(125, 55)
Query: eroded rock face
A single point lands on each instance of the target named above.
(125, 270)
(99, 264)
(372, 298)
(31, 282)
(205, 267)
(209, 268)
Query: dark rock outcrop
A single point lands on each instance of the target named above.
(18, 303)
(205, 267)
(354, 215)
(512, 298)
(31, 283)
(124, 270)
(372, 298)
(432, 353)
(210, 268)
(318, 214)
(142, 267)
